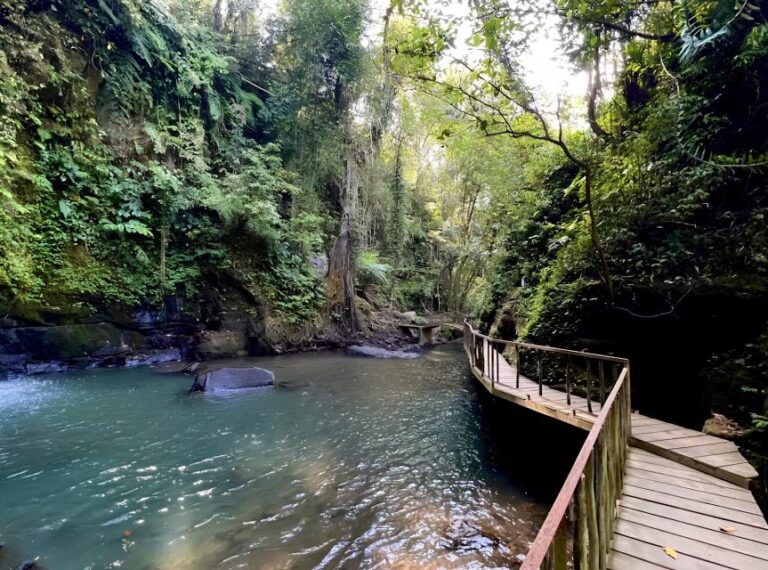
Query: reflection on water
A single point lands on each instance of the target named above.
(350, 463)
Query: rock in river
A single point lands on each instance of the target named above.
(378, 352)
(232, 379)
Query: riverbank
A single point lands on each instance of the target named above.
(166, 338)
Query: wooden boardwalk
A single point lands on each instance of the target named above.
(683, 500)
(709, 522)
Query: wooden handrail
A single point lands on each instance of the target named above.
(589, 496)
(557, 515)
(545, 348)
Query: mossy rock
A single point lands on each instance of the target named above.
(74, 341)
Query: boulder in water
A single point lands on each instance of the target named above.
(232, 379)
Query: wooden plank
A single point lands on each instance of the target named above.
(724, 459)
(706, 450)
(660, 479)
(621, 561)
(661, 455)
(742, 469)
(659, 476)
(695, 506)
(555, 395)
(662, 460)
(640, 420)
(692, 462)
(704, 521)
(668, 483)
(714, 537)
(688, 548)
(651, 428)
(681, 473)
(535, 403)
(583, 407)
(665, 434)
(579, 401)
(748, 506)
(655, 555)
(690, 441)
(641, 451)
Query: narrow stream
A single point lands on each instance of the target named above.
(350, 463)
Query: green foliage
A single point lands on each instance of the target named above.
(295, 293)
(396, 230)
(128, 159)
(372, 271)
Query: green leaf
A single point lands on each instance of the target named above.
(65, 207)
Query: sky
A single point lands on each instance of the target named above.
(546, 70)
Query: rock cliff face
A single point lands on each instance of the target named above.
(223, 323)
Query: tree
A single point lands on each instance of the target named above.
(321, 62)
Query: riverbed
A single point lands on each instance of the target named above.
(350, 462)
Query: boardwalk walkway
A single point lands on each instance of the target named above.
(678, 489)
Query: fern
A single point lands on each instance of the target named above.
(702, 30)
(371, 271)
(125, 92)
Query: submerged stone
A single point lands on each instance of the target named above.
(378, 352)
(232, 379)
(154, 357)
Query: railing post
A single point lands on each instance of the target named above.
(589, 384)
(518, 355)
(491, 368)
(557, 557)
(601, 369)
(541, 378)
(592, 518)
(603, 490)
(581, 532)
(568, 380)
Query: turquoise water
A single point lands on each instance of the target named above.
(350, 463)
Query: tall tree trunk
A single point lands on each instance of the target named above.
(594, 87)
(164, 229)
(217, 15)
(595, 236)
(340, 287)
(388, 89)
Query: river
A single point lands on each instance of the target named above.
(350, 462)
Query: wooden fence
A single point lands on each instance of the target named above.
(578, 530)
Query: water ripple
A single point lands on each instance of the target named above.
(369, 464)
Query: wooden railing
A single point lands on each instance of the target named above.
(591, 375)
(578, 530)
(585, 508)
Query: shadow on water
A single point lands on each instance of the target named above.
(533, 450)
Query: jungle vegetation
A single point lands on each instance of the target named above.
(151, 148)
